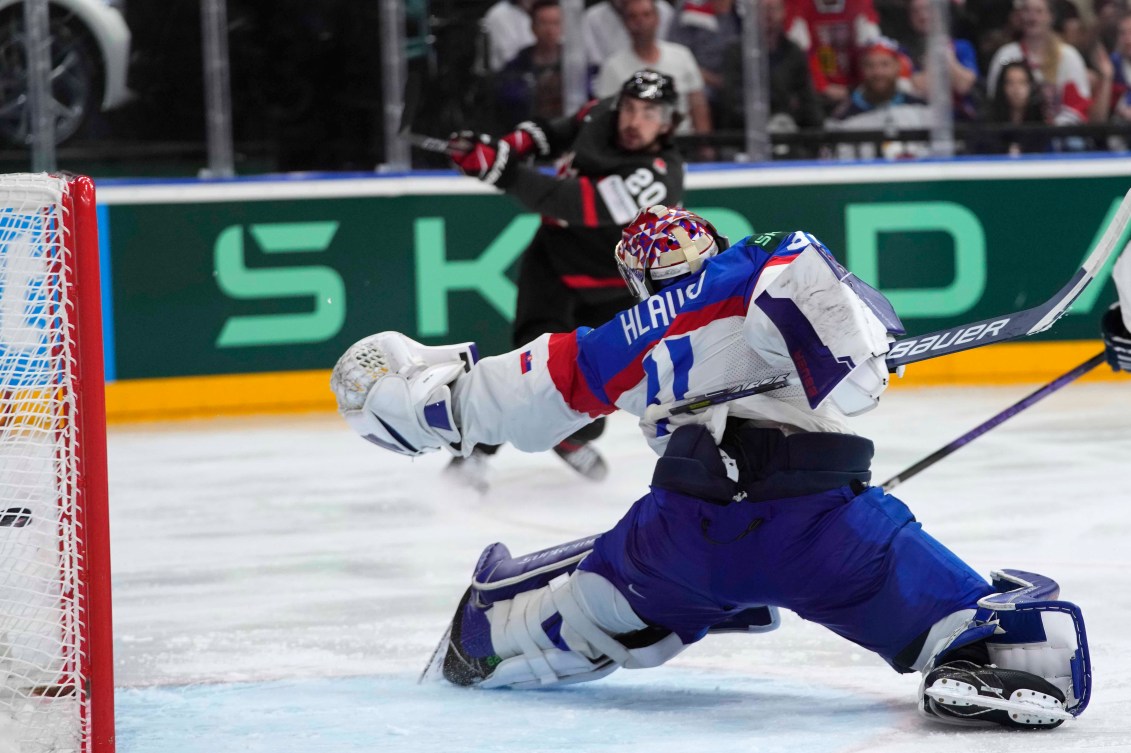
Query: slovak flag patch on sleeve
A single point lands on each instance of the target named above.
(526, 361)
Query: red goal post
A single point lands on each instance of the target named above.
(56, 662)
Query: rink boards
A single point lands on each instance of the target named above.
(238, 296)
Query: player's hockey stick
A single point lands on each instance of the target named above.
(427, 143)
(998, 420)
(15, 517)
(1011, 326)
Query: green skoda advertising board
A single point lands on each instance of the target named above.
(262, 277)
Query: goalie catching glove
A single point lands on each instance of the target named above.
(396, 393)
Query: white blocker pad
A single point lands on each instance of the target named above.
(812, 321)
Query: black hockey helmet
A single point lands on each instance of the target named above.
(651, 86)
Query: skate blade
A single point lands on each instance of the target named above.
(952, 698)
(435, 667)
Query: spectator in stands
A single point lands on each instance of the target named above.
(1108, 13)
(1073, 31)
(1016, 101)
(1057, 67)
(832, 34)
(997, 23)
(793, 97)
(708, 28)
(507, 28)
(1121, 65)
(649, 52)
(530, 86)
(962, 62)
(606, 33)
(878, 104)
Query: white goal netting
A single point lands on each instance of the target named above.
(43, 703)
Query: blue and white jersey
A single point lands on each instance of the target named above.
(701, 334)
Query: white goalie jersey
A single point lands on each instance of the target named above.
(775, 307)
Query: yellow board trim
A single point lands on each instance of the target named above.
(305, 391)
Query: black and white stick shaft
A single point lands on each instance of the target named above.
(427, 143)
(725, 395)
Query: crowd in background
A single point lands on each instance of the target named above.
(306, 78)
(836, 65)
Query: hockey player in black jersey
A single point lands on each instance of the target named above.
(615, 157)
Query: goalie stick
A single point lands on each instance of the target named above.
(1028, 322)
(954, 339)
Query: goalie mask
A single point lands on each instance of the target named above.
(661, 246)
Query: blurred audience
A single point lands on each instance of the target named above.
(832, 32)
(1016, 101)
(708, 28)
(606, 33)
(1073, 31)
(1121, 70)
(507, 29)
(530, 85)
(647, 51)
(793, 97)
(1057, 67)
(1108, 13)
(995, 23)
(962, 62)
(878, 104)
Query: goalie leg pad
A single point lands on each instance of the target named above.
(395, 392)
(567, 630)
(1023, 626)
(498, 576)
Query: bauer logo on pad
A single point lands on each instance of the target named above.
(525, 361)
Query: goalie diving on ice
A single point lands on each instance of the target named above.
(759, 502)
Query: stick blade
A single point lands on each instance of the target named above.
(433, 671)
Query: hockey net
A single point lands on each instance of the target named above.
(56, 684)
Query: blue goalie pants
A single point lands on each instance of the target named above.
(857, 563)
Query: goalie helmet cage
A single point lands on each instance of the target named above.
(56, 665)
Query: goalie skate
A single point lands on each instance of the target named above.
(583, 458)
(965, 693)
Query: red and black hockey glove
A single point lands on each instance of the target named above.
(475, 155)
(1117, 340)
(528, 138)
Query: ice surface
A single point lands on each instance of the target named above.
(280, 584)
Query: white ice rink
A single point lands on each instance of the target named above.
(279, 584)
